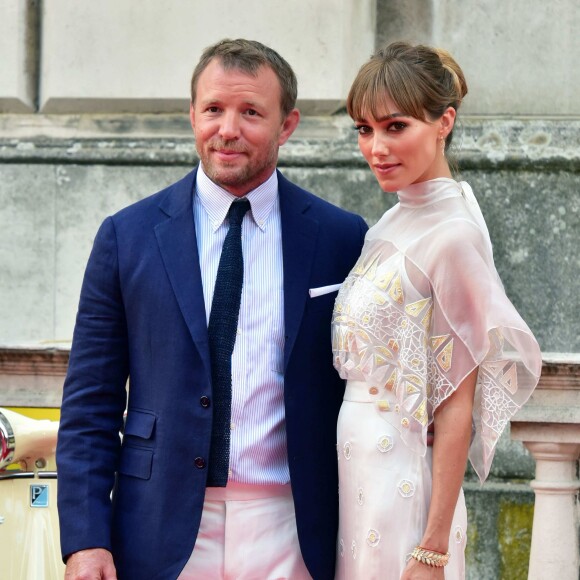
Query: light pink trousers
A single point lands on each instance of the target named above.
(247, 532)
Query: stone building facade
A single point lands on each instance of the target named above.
(93, 116)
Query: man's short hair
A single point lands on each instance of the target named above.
(249, 56)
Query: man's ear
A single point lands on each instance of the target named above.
(192, 115)
(288, 126)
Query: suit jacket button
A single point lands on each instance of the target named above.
(199, 462)
(204, 402)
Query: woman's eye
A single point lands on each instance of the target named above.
(397, 126)
(363, 129)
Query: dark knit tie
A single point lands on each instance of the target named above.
(222, 328)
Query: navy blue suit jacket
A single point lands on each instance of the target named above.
(141, 316)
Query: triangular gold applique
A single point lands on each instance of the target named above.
(421, 413)
(437, 341)
(426, 322)
(510, 379)
(371, 271)
(383, 280)
(444, 358)
(415, 380)
(392, 380)
(411, 389)
(495, 367)
(415, 308)
(384, 351)
(393, 344)
(396, 291)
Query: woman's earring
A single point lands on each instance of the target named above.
(442, 144)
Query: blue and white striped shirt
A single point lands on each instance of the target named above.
(258, 453)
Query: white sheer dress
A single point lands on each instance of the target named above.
(420, 310)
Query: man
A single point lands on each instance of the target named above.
(189, 499)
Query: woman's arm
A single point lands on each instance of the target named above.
(450, 448)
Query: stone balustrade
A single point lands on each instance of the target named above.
(549, 427)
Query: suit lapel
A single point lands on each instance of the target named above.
(299, 236)
(178, 245)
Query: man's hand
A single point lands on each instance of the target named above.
(94, 564)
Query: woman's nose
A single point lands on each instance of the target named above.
(380, 147)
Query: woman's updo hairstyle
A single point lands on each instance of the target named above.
(420, 80)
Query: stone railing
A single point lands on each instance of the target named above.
(549, 427)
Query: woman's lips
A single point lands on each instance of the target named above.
(385, 168)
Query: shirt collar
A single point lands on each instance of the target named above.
(216, 200)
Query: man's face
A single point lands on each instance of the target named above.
(239, 126)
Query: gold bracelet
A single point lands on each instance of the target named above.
(429, 557)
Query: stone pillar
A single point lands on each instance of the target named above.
(549, 427)
(18, 55)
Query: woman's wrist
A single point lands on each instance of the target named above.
(430, 557)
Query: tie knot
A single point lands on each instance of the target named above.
(237, 211)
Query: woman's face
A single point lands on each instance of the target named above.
(402, 150)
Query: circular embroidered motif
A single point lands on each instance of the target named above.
(406, 488)
(384, 443)
(353, 549)
(360, 498)
(347, 449)
(405, 422)
(458, 534)
(373, 538)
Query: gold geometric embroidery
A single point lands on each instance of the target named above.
(437, 341)
(415, 308)
(444, 358)
(392, 380)
(510, 379)
(383, 281)
(495, 367)
(396, 291)
(421, 413)
(426, 322)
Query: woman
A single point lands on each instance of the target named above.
(422, 331)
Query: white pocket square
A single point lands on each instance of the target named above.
(314, 292)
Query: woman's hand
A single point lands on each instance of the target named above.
(415, 570)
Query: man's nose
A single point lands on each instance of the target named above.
(230, 127)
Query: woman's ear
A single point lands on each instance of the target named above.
(447, 120)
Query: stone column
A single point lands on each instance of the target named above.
(549, 427)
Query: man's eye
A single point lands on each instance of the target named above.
(212, 109)
(252, 112)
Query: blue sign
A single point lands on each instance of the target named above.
(39, 496)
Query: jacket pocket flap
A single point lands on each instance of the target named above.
(136, 462)
(139, 424)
